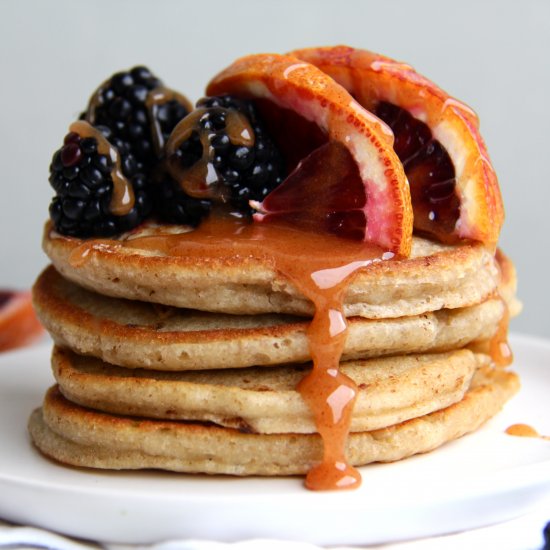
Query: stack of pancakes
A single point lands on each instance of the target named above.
(167, 362)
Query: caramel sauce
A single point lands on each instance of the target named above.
(123, 198)
(524, 430)
(499, 348)
(155, 98)
(321, 266)
(201, 179)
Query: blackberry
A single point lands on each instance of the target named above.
(173, 205)
(236, 169)
(82, 180)
(139, 111)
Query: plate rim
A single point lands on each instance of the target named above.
(532, 477)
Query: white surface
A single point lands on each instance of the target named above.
(491, 54)
(484, 478)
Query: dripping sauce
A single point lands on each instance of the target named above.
(321, 268)
(123, 198)
(524, 430)
(201, 180)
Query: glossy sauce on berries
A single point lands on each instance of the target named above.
(123, 194)
(320, 266)
(155, 98)
(295, 145)
(201, 180)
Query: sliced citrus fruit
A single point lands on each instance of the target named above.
(18, 323)
(311, 196)
(286, 86)
(454, 189)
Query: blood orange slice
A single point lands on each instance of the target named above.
(311, 196)
(18, 323)
(454, 188)
(283, 84)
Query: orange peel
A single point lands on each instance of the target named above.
(373, 78)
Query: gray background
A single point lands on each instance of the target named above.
(493, 55)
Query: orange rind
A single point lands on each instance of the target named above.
(373, 79)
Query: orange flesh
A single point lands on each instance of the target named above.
(429, 170)
(295, 136)
(324, 194)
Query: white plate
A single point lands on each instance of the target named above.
(484, 478)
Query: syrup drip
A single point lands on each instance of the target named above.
(123, 198)
(499, 349)
(156, 98)
(321, 267)
(201, 179)
(329, 393)
(80, 255)
(524, 430)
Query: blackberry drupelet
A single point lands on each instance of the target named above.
(81, 178)
(242, 170)
(123, 104)
(175, 206)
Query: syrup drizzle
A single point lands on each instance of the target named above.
(201, 179)
(524, 430)
(156, 98)
(321, 268)
(123, 198)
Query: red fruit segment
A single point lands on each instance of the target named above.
(378, 82)
(18, 323)
(305, 136)
(324, 193)
(429, 169)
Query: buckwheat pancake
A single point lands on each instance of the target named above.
(140, 334)
(265, 400)
(80, 436)
(435, 276)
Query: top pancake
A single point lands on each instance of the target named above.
(435, 276)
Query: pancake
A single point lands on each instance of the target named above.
(140, 334)
(83, 437)
(260, 400)
(435, 276)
